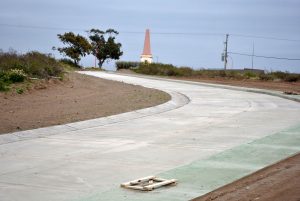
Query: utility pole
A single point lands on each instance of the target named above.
(252, 54)
(225, 52)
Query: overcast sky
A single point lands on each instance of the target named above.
(271, 18)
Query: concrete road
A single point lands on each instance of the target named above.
(181, 139)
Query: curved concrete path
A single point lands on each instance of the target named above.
(205, 137)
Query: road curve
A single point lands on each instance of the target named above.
(88, 161)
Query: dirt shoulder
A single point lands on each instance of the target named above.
(79, 97)
(278, 182)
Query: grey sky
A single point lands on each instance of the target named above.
(274, 18)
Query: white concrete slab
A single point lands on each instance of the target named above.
(78, 159)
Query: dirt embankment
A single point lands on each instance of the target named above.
(79, 97)
(278, 182)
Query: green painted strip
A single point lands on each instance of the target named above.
(203, 176)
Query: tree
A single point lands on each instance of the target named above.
(77, 46)
(103, 47)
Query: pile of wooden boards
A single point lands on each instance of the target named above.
(148, 183)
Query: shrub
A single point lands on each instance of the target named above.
(249, 75)
(265, 77)
(234, 75)
(126, 64)
(32, 63)
(170, 70)
(279, 75)
(16, 75)
(285, 76)
(292, 78)
(158, 69)
(4, 76)
(19, 90)
(16, 67)
(3, 85)
(185, 71)
(222, 73)
(42, 65)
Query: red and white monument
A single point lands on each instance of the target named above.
(146, 56)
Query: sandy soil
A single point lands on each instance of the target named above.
(79, 97)
(279, 182)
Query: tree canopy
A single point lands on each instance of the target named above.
(77, 46)
(104, 45)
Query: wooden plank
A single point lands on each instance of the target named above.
(137, 181)
(159, 179)
(160, 184)
(148, 183)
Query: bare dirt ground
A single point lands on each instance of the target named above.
(278, 182)
(78, 97)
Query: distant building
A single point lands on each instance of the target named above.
(146, 56)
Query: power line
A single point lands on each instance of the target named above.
(264, 37)
(266, 57)
(124, 32)
(39, 27)
(155, 33)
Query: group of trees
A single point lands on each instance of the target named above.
(102, 44)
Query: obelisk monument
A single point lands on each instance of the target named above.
(146, 56)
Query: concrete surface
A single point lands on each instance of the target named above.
(246, 89)
(235, 132)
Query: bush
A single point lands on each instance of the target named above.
(279, 75)
(285, 76)
(292, 78)
(19, 90)
(265, 77)
(4, 76)
(249, 75)
(234, 75)
(222, 73)
(16, 75)
(32, 63)
(16, 67)
(170, 70)
(185, 71)
(3, 85)
(126, 64)
(158, 69)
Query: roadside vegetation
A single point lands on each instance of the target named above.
(101, 44)
(16, 68)
(187, 72)
(23, 68)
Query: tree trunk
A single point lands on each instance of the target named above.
(100, 63)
